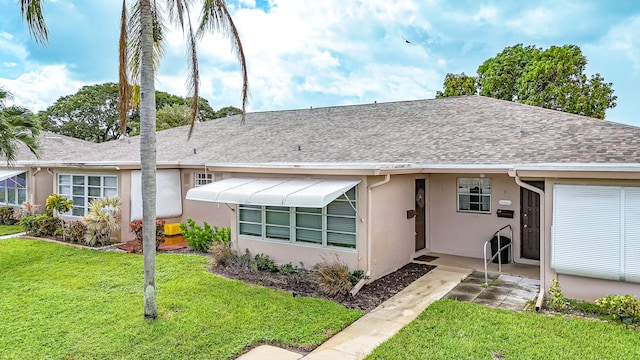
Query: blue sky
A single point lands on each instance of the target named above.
(327, 52)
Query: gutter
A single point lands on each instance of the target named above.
(543, 232)
(362, 281)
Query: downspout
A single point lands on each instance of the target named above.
(543, 232)
(33, 185)
(362, 281)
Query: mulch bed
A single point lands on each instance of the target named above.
(368, 298)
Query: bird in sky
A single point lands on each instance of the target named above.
(407, 41)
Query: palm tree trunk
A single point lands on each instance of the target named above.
(148, 159)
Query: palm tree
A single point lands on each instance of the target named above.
(17, 125)
(141, 37)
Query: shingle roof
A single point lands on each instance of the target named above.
(470, 130)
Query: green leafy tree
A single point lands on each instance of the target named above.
(172, 116)
(140, 50)
(227, 111)
(458, 85)
(17, 126)
(91, 114)
(553, 78)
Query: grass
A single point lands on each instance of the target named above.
(10, 229)
(61, 302)
(455, 330)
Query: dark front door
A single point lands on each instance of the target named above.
(530, 222)
(420, 214)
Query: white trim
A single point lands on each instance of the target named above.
(6, 174)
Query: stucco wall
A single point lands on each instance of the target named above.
(40, 186)
(393, 235)
(577, 287)
(464, 233)
(200, 211)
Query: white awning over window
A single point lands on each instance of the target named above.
(6, 173)
(313, 193)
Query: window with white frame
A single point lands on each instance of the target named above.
(13, 190)
(334, 225)
(84, 188)
(474, 195)
(203, 179)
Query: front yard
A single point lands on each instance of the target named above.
(448, 329)
(61, 302)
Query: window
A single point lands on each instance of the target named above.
(84, 188)
(474, 195)
(334, 225)
(596, 232)
(13, 191)
(204, 178)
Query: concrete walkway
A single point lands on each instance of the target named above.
(365, 334)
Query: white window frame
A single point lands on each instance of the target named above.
(465, 188)
(203, 178)
(104, 190)
(11, 185)
(293, 212)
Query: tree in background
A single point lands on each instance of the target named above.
(553, 78)
(458, 85)
(92, 113)
(17, 125)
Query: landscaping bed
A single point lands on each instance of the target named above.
(305, 284)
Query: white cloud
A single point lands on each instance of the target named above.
(10, 47)
(38, 89)
(623, 38)
(9, 64)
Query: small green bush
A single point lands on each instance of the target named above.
(7, 215)
(136, 228)
(75, 231)
(625, 308)
(197, 237)
(58, 203)
(556, 300)
(356, 276)
(333, 278)
(264, 263)
(40, 224)
(293, 273)
(240, 260)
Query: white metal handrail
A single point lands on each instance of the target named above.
(499, 252)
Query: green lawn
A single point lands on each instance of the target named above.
(60, 302)
(10, 229)
(455, 330)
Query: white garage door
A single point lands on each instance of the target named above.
(596, 231)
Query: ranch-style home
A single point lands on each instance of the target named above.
(376, 185)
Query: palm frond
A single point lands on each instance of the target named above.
(124, 89)
(215, 17)
(31, 11)
(135, 40)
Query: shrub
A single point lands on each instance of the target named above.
(7, 215)
(242, 261)
(222, 235)
(556, 300)
(75, 231)
(264, 263)
(625, 308)
(333, 278)
(58, 203)
(40, 224)
(197, 237)
(102, 221)
(356, 276)
(136, 228)
(27, 208)
(220, 253)
(293, 273)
